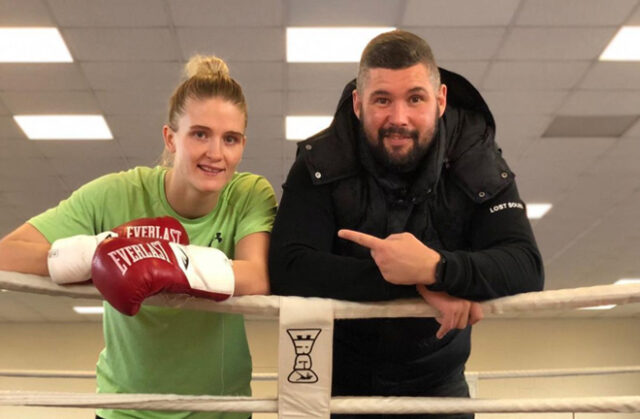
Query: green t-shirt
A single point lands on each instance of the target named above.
(165, 350)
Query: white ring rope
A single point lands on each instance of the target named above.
(265, 305)
(267, 376)
(357, 405)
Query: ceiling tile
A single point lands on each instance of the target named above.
(320, 76)
(574, 12)
(343, 13)
(459, 12)
(112, 13)
(534, 75)
(556, 43)
(42, 76)
(264, 103)
(24, 13)
(612, 75)
(258, 75)
(634, 19)
(50, 102)
(473, 71)
(79, 150)
(226, 13)
(310, 102)
(590, 126)
(524, 102)
(132, 75)
(141, 129)
(122, 44)
(18, 148)
(634, 131)
(133, 102)
(31, 168)
(262, 128)
(263, 148)
(234, 44)
(9, 129)
(589, 102)
(3, 109)
(462, 44)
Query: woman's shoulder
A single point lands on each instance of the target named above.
(244, 182)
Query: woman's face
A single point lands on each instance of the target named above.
(208, 143)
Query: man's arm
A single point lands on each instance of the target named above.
(504, 258)
(301, 261)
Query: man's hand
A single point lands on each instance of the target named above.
(455, 313)
(401, 258)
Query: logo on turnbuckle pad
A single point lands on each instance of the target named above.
(303, 340)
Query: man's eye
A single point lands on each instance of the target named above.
(416, 99)
(382, 101)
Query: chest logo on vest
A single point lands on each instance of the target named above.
(506, 205)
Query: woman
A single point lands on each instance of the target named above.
(165, 350)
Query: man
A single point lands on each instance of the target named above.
(405, 194)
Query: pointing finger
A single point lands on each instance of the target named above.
(362, 239)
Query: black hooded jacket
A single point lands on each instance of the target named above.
(462, 201)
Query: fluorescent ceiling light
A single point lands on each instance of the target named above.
(624, 281)
(88, 309)
(603, 307)
(537, 211)
(329, 45)
(64, 127)
(625, 46)
(301, 127)
(33, 45)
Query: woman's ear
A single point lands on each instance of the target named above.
(169, 138)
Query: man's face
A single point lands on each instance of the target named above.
(399, 112)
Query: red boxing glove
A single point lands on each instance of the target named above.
(69, 259)
(128, 270)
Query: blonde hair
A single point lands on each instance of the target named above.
(206, 77)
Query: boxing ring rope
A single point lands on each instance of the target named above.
(358, 405)
(318, 399)
(269, 305)
(267, 376)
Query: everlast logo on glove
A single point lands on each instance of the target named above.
(154, 232)
(126, 256)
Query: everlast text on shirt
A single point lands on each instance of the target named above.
(155, 232)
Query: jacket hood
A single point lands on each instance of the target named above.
(331, 154)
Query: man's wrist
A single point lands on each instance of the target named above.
(441, 266)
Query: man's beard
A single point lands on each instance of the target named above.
(402, 163)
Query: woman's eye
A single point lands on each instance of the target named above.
(201, 135)
(231, 139)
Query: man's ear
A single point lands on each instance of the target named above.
(441, 98)
(356, 102)
(169, 138)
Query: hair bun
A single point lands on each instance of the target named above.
(206, 66)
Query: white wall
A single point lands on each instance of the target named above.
(497, 345)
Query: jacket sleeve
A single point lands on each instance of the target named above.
(301, 257)
(503, 258)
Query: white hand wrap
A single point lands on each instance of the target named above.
(69, 259)
(206, 268)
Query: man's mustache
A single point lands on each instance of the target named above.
(401, 131)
